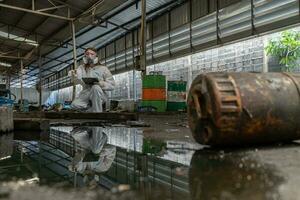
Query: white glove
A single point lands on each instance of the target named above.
(72, 73)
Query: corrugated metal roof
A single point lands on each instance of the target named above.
(46, 28)
(87, 35)
(133, 12)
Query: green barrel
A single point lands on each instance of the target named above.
(153, 146)
(154, 82)
(176, 99)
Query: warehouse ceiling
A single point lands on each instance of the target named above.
(27, 25)
(23, 32)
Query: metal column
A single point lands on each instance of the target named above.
(190, 71)
(37, 12)
(133, 71)
(219, 41)
(8, 80)
(40, 78)
(134, 84)
(265, 58)
(143, 37)
(74, 57)
(21, 80)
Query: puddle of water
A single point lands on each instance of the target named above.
(121, 159)
(115, 158)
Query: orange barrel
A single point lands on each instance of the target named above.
(226, 109)
(154, 94)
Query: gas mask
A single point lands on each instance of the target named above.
(90, 60)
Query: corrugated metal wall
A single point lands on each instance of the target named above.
(247, 55)
(30, 94)
(174, 34)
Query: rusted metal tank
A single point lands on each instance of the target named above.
(244, 108)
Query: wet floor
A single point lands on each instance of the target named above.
(120, 159)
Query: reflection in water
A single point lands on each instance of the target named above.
(215, 175)
(108, 157)
(147, 165)
(92, 140)
(6, 145)
(130, 139)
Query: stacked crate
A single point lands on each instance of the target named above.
(154, 92)
(176, 95)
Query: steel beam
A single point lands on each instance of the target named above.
(51, 8)
(112, 23)
(4, 55)
(93, 27)
(33, 4)
(143, 38)
(11, 57)
(219, 41)
(112, 30)
(68, 5)
(21, 80)
(28, 32)
(31, 32)
(102, 35)
(18, 41)
(252, 17)
(74, 58)
(40, 78)
(17, 22)
(35, 12)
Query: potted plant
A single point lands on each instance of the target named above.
(286, 49)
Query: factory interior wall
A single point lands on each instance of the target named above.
(62, 95)
(31, 94)
(242, 56)
(246, 56)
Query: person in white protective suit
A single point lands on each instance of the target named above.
(92, 139)
(95, 94)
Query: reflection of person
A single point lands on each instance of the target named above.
(96, 93)
(231, 176)
(94, 140)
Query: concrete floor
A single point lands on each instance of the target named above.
(185, 170)
(169, 126)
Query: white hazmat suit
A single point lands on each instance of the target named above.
(94, 140)
(96, 94)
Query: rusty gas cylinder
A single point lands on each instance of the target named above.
(244, 108)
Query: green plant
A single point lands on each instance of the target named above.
(286, 48)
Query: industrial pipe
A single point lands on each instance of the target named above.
(244, 108)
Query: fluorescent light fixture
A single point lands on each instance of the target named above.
(18, 38)
(5, 64)
(32, 180)
(4, 158)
